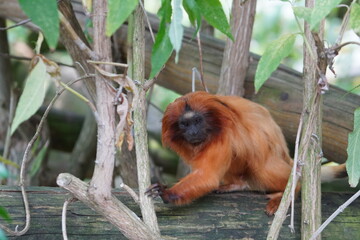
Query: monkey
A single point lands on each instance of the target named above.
(231, 144)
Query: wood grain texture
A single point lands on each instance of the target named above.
(216, 216)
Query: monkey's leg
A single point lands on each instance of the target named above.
(232, 184)
(273, 179)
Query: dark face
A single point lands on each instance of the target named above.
(193, 127)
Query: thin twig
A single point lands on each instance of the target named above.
(344, 22)
(82, 97)
(147, 21)
(12, 107)
(6, 55)
(150, 83)
(338, 47)
(131, 192)
(63, 217)
(295, 166)
(25, 161)
(337, 212)
(77, 40)
(201, 62)
(124, 65)
(23, 22)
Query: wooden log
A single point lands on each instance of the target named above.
(216, 216)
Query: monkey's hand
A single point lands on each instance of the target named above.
(156, 190)
(160, 190)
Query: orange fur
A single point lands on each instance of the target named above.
(246, 150)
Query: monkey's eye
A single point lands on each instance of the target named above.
(197, 120)
(183, 124)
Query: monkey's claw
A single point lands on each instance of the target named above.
(155, 190)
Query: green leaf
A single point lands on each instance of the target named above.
(303, 12)
(214, 14)
(2, 235)
(161, 52)
(119, 11)
(44, 13)
(4, 214)
(8, 162)
(321, 10)
(353, 151)
(176, 30)
(270, 60)
(32, 96)
(38, 160)
(165, 12)
(162, 47)
(355, 17)
(193, 12)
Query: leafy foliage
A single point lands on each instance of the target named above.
(44, 13)
(176, 30)
(8, 162)
(119, 11)
(353, 151)
(321, 10)
(4, 214)
(162, 47)
(355, 17)
(193, 12)
(270, 60)
(214, 14)
(33, 95)
(169, 38)
(38, 160)
(303, 12)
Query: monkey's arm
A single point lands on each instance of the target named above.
(208, 168)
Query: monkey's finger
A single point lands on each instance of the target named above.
(152, 188)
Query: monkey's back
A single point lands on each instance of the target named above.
(264, 137)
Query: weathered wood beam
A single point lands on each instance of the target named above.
(217, 216)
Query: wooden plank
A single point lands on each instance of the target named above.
(216, 216)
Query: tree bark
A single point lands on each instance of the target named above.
(141, 137)
(101, 182)
(236, 55)
(311, 140)
(215, 216)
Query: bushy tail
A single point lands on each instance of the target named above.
(330, 173)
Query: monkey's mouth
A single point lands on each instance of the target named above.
(195, 141)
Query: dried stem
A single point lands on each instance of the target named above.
(113, 210)
(131, 192)
(338, 47)
(337, 212)
(63, 217)
(23, 22)
(25, 162)
(5, 55)
(77, 40)
(344, 22)
(201, 62)
(12, 107)
(296, 170)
